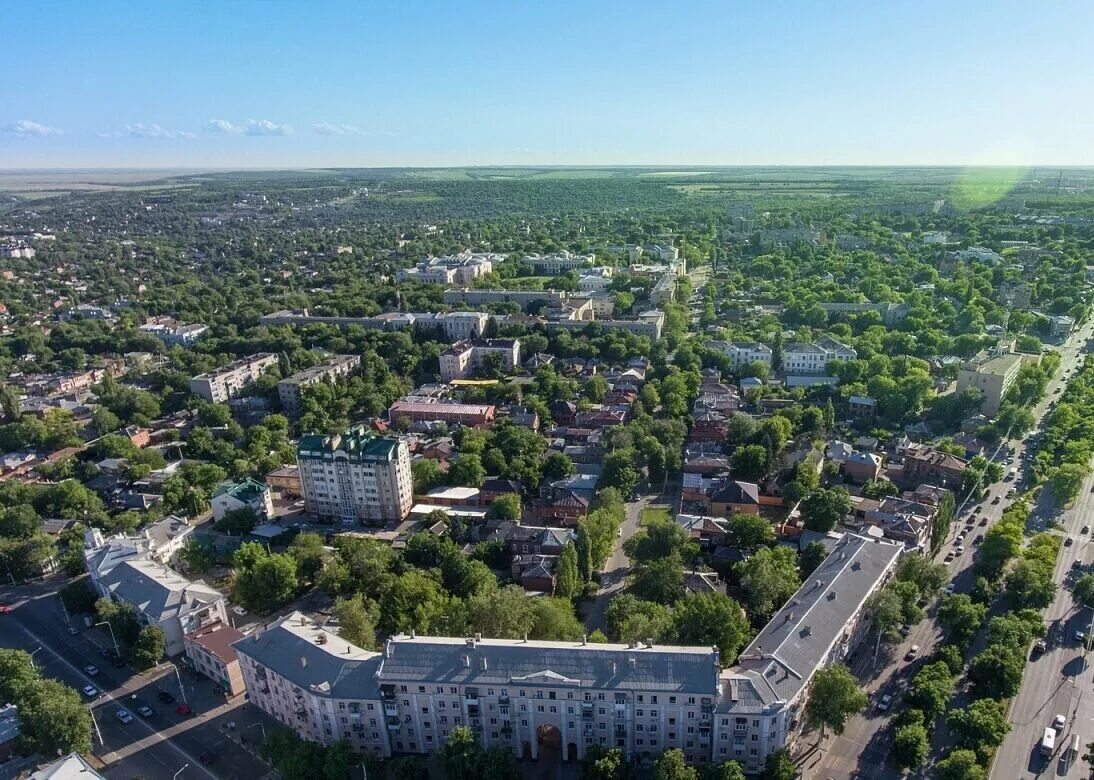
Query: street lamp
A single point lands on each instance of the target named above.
(182, 688)
(32, 666)
(175, 776)
(95, 723)
(112, 637)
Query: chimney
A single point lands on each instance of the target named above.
(467, 661)
(412, 633)
(613, 668)
(649, 642)
(303, 662)
(484, 663)
(584, 639)
(478, 638)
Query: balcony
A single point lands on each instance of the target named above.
(503, 699)
(473, 710)
(391, 709)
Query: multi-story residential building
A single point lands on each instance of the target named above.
(521, 297)
(664, 289)
(223, 383)
(172, 332)
(418, 409)
(355, 477)
(247, 494)
(17, 250)
(462, 325)
(288, 390)
(558, 262)
(891, 313)
(463, 357)
(454, 326)
(992, 376)
(926, 464)
(88, 311)
(802, 358)
(124, 573)
(561, 698)
(210, 652)
(648, 324)
(743, 353)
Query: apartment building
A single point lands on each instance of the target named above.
(454, 326)
(224, 383)
(210, 652)
(247, 494)
(471, 297)
(743, 353)
(459, 360)
(664, 289)
(355, 477)
(558, 699)
(992, 376)
(288, 390)
(125, 573)
(558, 262)
(422, 410)
(649, 324)
(173, 333)
(806, 358)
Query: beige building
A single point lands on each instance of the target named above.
(992, 376)
(224, 383)
(210, 652)
(355, 477)
(459, 360)
(288, 390)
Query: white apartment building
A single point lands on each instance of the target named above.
(557, 263)
(355, 477)
(224, 383)
(743, 353)
(173, 333)
(592, 279)
(124, 572)
(561, 698)
(461, 325)
(459, 360)
(804, 358)
(288, 390)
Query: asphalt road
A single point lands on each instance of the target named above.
(863, 748)
(156, 747)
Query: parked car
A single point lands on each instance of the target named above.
(91, 669)
(1070, 540)
(1040, 646)
(913, 651)
(165, 697)
(73, 630)
(884, 702)
(145, 711)
(1059, 722)
(959, 549)
(950, 588)
(90, 691)
(123, 715)
(184, 709)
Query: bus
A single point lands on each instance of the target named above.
(1048, 741)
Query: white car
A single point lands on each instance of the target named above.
(91, 669)
(1059, 722)
(950, 588)
(90, 691)
(959, 549)
(123, 715)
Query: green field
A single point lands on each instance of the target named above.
(652, 513)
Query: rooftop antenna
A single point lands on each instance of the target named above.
(1059, 178)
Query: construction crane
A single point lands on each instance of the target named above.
(1058, 180)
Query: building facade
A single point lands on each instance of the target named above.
(224, 383)
(459, 360)
(992, 376)
(355, 477)
(288, 390)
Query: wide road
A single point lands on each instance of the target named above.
(863, 748)
(156, 747)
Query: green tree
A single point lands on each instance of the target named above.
(271, 582)
(149, 648)
(414, 601)
(749, 531)
(960, 764)
(1083, 590)
(568, 584)
(750, 462)
(767, 579)
(961, 618)
(911, 744)
(506, 507)
(620, 471)
(671, 766)
(982, 725)
(835, 696)
(810, 557)
(779, 766)
(931, 689)
(602, 763)
(427, 475)
(824, 508)
(996, 672)
(466, 470)
(659, 579)
(356, 623)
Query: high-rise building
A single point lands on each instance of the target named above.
(355, 477)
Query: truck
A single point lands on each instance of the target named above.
(1048, 741)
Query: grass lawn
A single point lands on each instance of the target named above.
(651, 513)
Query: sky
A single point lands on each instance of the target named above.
(323, 83)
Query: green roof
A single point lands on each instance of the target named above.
(246, 491)
(357, 442)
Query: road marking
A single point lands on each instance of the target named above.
(156, 737)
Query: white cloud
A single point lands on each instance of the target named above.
(266, 127)
(28, 129)
(141, 130)
(253, 127)
(326, 128)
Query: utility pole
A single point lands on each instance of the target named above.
(112, 637)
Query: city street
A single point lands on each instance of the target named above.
(164, 745)
(863, 748)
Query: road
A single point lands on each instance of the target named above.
(864, 746)
(613, 575)
(156, 747)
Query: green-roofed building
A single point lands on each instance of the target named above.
(355, 477)
(248, 494)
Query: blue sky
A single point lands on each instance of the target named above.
(329, 83)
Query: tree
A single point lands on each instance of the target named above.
(1083, 590)
(928, 576)
(466, 470)
(414, 601)
(711, 619)
(931, 689)
(961, 618)
(198, 557)
(1067, 480)
(749, 531)
(749, 463)
(53, 719)
(506, 507)
(997, 672)
(982, 725)
(835, 696)
(427, 475)
(960, 764)
(602, 763)
(824, 508)
(659, 579)
(767, 579)
(268, 584)
(149, 648)
(553, 620)
(810, 557)
(310, 554)
(355, 622)
(568, 583)
(671, 766)
(727, 770)
(122, 619)
(911, 745)
(779, 766)
(620, 471)
(660, 538)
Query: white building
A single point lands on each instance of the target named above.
(288, 390)
(743, 353)
(804, 358)
(459, 360)
(525, 696)
(592, 279)
(463, 268)
(557, 263)
(355, 477)
(248, 494)
(123, 572)
(224, 383)
(173, 333)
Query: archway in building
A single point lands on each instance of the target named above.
(571, 751)
(549, 738)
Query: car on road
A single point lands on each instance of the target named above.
(145, 711)
(165, 697)
(949, 556)
(905, 630)
(959, 549)
(1070, 540)
(913, 651)
(5, 609)
(1086, 529)
(996, 500)
(207, 757)
(950, 588)
(984, 520)
(90, 691)
(1080, 636)
(91, 669)
(184, 709)
(1059, 722)
(1040, 646)
(73, 631)
(978, 539)
(123, 715)
(884, 702)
